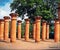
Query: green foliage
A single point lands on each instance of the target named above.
(58, 1)
(23, 29)
(30, 29)
(38, 11)
(33, 8)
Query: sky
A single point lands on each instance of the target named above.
(5, 8)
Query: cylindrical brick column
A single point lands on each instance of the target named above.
(34, 29)
(43, 30)
(27, 30)
(59, 29)
(59, 16)
(1, 29)
(13, 27)
(6, 27)
(19, 29)
(47, 31)
(56, 30)
(38, 25)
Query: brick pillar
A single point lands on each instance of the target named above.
(19, 29)
(59, 29)
(13, 27)
(1, 29)
(34, 29)
(59, 16)
(56, 30)
(38, 25)
(6, 28)
(47, 31)
(27, 30)
(43, 30)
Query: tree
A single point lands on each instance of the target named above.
(33, 8)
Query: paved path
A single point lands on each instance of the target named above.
(22, 44)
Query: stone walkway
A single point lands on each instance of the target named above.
(22, 44)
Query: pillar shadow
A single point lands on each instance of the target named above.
(28, 41)
(5, 41)
(48, 40)
(1, 40)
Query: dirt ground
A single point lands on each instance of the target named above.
(30, 45)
